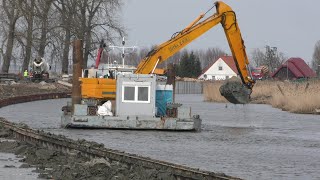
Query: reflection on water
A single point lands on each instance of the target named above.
(247, 141)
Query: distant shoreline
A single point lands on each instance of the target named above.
(295, 97)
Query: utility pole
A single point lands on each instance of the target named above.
(287, 70)
(271, 53)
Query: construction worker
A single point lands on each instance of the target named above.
(25, 74)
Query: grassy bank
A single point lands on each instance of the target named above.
(296, 97)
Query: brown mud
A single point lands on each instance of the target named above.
(24, 89)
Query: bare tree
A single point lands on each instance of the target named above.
(67, 11)
(47, 27)
(88, 20)
(56, 50)
(27, 8)
(258, 57)
(42, 12)
(316, 58)
(271, 58)
(210, 55)
(12, 14)
(96, 16)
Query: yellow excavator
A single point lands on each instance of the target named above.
(234, 92)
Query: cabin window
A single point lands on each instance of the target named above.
(136, 94)
(128, 93)
(143, 93)
(220, 68)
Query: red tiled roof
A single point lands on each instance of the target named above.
(293, 68)
(298, 67)
(303, 67)
(230, 62)
(227, 59)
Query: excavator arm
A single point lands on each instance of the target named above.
(224, 15)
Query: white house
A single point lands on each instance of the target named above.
(221, 69)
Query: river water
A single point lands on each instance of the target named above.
(246, 141)
(9, 168)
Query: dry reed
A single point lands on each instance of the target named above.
(296, 97)
(211, 91)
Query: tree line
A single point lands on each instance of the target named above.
(188, 63)
(316, 58)
(46, 28)
(273, 58)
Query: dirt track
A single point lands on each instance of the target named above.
(23, 89)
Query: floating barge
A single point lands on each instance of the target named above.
(118, 99)
(142, 102)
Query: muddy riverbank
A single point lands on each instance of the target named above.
(25, 89)
(52, 164)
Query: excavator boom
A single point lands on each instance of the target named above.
(102, 89)
(227, 17)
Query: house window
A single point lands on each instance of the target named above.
(136, 94)
(220, 68)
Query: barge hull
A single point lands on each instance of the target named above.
(135, 123)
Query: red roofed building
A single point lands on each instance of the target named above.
(293, 68)
(220, 69)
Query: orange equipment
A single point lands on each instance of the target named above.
(224, 15)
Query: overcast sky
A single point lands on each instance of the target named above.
(290, 25)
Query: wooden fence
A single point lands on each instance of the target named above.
(189, 87)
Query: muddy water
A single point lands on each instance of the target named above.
(251, 141)
(9, 168)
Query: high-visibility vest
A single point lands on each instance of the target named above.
(25, 73)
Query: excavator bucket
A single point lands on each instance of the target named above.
(235, 92)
